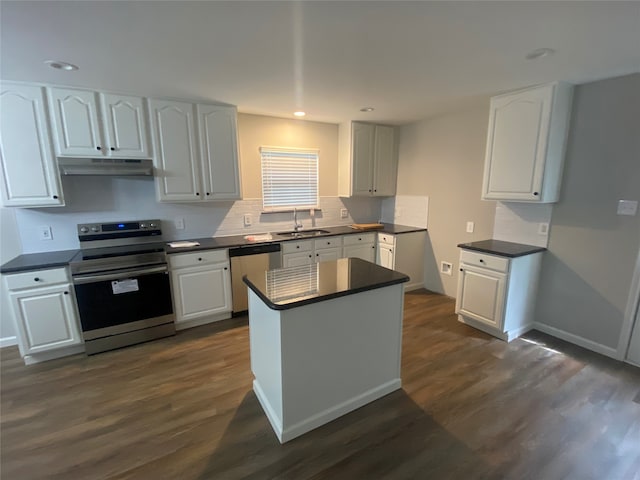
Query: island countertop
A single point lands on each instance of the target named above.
(286, 288)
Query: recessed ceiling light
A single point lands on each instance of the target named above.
(539, 53)
(367, 109)
(58, 65)
(299, 114)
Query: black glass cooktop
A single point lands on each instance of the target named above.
(120, 251)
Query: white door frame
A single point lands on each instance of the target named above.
(631, 313)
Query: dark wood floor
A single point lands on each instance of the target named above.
(471, 407)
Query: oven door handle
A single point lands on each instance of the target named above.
(104, 277)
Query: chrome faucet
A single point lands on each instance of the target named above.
(296, 226)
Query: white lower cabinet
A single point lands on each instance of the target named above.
(295, 254)
(360, 246)
(403, 252)
(496, 294)
(201, 284)
(45, 313)
(328, 248)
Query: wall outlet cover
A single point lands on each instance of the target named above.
(44, 232)
(247, 219)
(470, 227)
(344, 213)
(179, 223)
(446, 268)
(627, 207)
(543, 228)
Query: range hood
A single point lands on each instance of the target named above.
(105, 166)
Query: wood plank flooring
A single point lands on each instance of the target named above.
(471, 407)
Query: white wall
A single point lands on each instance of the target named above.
(443, 159)
(587, 272)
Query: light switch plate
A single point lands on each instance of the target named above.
(44, 232)
(179, 223)
(627, 207)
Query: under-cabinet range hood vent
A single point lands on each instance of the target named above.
(105, 166)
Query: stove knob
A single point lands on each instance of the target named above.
(152, 225)
(84, 229)
(95, 228)
(143, 225)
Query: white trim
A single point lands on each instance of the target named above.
(8, 341)
(196, 322)
(325, 416)
(576, 339)
(633, 303)
(53, 354)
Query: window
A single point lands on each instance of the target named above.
(289, 178)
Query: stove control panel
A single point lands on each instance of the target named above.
(119, 229)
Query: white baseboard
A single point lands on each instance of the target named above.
(8, 341)
(413, 286)
(321, 418)
(53, 354)
(576, 339)
(196, 322)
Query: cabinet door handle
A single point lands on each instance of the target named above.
(208, 193)
(198, 193)
(98, 147)
(317, 254)
(309, 256)
(461, 270)
(481, 261)
(390, 251)
(55, 197)
(112, 149)
(369, 190)
(297, 246)
(225, 268)
(37, 279)
(66, 293)
(199, 259)
(536, 193)
(375, 189)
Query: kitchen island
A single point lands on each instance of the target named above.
(325, 340)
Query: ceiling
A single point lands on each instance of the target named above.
(409, 60)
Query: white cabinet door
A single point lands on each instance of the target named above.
(75, 121)
(481, 295)
(219, 152)
(125, 126)
(326, 254)
(385, 162)
(29, 173)
(362, 158)
(176, 158)
(385, 256)
(297, 259)
(45, 318)
(201, 291)
(365, 251)
(525, 144)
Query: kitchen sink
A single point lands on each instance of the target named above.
(303, 233)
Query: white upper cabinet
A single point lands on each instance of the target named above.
(196, 151)
(29, 172)
(219, 152)
(176, 156)
(368, 160)
(526, 144)
(89, 124)
(125, 126)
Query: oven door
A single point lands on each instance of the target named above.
(113, 302)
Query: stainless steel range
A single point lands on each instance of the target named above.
(122, 284)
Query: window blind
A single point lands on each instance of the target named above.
(289, 178)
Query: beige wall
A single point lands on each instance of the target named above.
(587, 272)
(255, 131)
(443, 158)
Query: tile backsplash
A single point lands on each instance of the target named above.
(520, 223)
(105, 199)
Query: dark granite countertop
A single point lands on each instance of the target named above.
(504, 249)
(286, 288)
(37, 261)
(234, 241)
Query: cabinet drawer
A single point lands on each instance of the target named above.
(327, 242)
(499, 264)
(181, 260)
(387, 239)
(357, 239)
(301, 246)
(37, 278)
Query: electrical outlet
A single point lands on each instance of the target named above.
(344, 213)
(247, 219)
(179, 223)
(446, 268)
(470, 227)
(44, 232)
(543, 228)
(627, 207)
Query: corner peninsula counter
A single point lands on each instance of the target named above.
(325, 340)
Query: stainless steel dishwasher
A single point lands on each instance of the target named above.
(250, 259)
